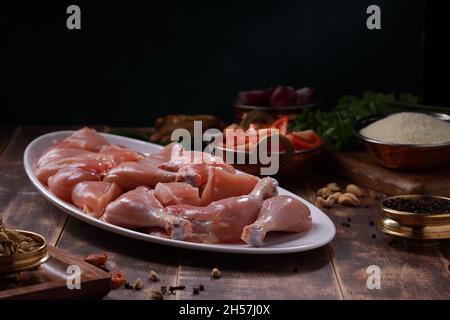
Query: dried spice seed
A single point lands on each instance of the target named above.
(157, 295)
(421, 205)
(138, 284)
(374, 236)
(195, 291)
(172, 289)
(153, 276)
(128, 286)
(201, 287)
(344, 224)
(349, 219)
(163, 289)
(13, 242)
(215, 273)
(371, 223)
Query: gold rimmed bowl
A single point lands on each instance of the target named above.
(404, 157)
(417, 226)
(31, 260)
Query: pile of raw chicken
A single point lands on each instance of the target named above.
(174, 193)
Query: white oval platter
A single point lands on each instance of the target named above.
(322, 232)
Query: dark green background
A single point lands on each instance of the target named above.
(132, 62)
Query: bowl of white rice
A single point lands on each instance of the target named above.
(406, 140)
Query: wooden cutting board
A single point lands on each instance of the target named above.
(360, 168)
(95, 283)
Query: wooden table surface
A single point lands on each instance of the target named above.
(335, 271)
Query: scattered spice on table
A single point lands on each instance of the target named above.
(176, 288)
(201, 287)
(195, 291)
(157, 295)
(215, 273)
(98, 260)
(128, 286)
(371, 223)
(163, 289)
(138, 284)
(153, 276)
(374, 236)
(117, 279)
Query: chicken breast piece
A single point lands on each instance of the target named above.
(86, 139)
(93, 196)
(280, 213)
(62, 183)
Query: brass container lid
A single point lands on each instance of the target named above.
(25, 261)
(417, 226)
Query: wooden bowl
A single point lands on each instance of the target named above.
(404, 157)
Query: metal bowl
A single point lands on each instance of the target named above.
(410, 225)
(406, 157)
(25, 261)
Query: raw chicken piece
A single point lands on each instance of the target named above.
(139, 208)
(118, 154)
(158, 158)
(55, 154)
(223, 220)
(223, 184)
(180, 158)
(198, 174)
(62, 183)
(86, 139)
(281, 213)
(177, 193)
(50, 169)
(94, 196)
(129, 175)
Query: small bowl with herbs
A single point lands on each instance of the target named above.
(420, 217)
(20, 250)
(406, 140)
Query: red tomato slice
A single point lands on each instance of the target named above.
(307, 139)
(281, 124)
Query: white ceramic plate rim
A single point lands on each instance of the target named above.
(323, 230)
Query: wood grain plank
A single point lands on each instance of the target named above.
(6, 134)
(306, 275)
(407, 272)
(134, 258)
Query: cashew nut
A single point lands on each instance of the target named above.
(333, 187)
(326, 203)
(348, 199)
(324, 193)
(335, 196)
(351, 188)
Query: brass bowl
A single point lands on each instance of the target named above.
(25, 261)
(407, 157)
(409, 225)
(240, 110)
(291, 166)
